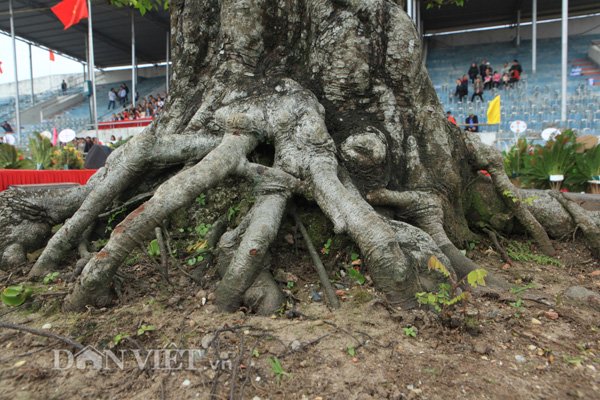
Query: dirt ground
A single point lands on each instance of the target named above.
(515, 350)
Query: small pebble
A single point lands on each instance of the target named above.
(536, 321)
(186, 382)
(520, 359)
(46, 326)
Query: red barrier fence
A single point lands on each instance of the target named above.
(132, 123)
(26, 177)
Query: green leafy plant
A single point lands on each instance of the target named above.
(51, 277)
(15, 295)
(448, 294)
(153, 248)
(142, 5)
(557, 157)
(277, 368)
(112, 218)
(356, 276)
(326, 247)
(118, 338)
(145, 328)
(201, 200)
(518, 304)
(521, 251)
(40, 148)
(514, 159)
(409, 331)
(587, 168)
(232, 212)
(67, 156)
(203, 229)
(351, 351)
(11, 158)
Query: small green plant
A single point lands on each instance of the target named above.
(326, 247)
(527, 200)
(448, 294)
(15, 295)
(356, 276)
(409, 331)
(354, 256)
(521, 251)
(51, 277)
(232, 212)
(351, 351)
(118, 338)
(203, 229)
(145, 328)
(277, 368)
(153, 248)
(518, 304)
(587, 168)
(514, 158)
(201, 200)
(255, 353)
(291, 284)
(112, 218)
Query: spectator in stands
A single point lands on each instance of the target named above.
(516, 66)
(505, 69)
(461, 90)
(451, 118)
(483, 67)
(477, 89)
(471, 123)
(505, 80)
(63, 87)
(122, 95)
(487, 79)
(81, 145)
(112, 98)
(88, 144)
(515, 76)
(473, 72)
(113, 139)
(7, 128)
(126, 91)
(496, 79)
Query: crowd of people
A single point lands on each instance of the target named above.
(484, 77)
(148, 107)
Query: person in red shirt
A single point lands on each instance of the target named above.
(451, 118)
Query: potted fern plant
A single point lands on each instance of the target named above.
(40, 148)
(549, 164)
(586, 171)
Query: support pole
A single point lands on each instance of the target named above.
(92, 67)
(14, 44)
(167, 66)
(534, 36)
(31, 76)
(518, 27)
(565, 43)
(133, 77)
(409, 8)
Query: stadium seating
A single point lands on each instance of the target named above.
(78, 118)
(536, 99)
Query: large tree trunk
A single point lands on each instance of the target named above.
(340, 90)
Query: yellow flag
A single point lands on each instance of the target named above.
(493, 112)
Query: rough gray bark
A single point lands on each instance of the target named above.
(339, 89)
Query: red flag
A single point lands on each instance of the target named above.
(70, 12)
(51, 55)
